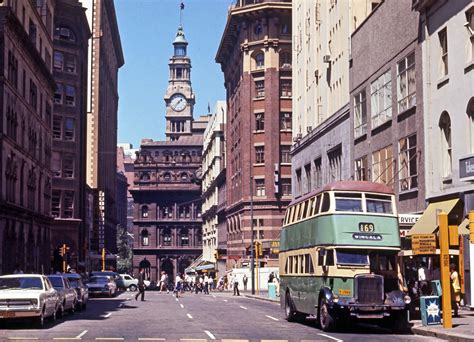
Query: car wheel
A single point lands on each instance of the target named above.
(39, 321)
(73, 307)
(325, 318)
(133, 287)
(55, 313)
(289, 308)
(60, 311)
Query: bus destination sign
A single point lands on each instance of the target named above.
(423, 244)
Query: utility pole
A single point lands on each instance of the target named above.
(444, 262)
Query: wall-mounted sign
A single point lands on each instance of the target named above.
(367, 237)
(466, 167)
(408, 219)
(423, 244)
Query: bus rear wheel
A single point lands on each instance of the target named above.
(325, 318)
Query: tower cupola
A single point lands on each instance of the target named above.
(180, 43)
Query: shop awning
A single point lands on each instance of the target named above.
(427, 224)
(192, 268)
(464, 227)
(206, 265)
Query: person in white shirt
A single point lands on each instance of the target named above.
(210, 282)
(423, 278)
(177, 285)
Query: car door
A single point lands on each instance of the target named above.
(70, 293)
(51, 297)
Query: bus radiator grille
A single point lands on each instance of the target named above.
(369, 289)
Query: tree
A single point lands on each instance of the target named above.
(124, 255)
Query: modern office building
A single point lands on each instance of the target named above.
(255, 55)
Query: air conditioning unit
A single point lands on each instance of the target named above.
(309, 129)
(327, 58)
(295, 139)
(299, 136)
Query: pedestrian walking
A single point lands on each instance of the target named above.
(455, 289)
(177, 285)
(206, 284)
(236, 285)
(245, 281)
(210, 282)
(141, 284)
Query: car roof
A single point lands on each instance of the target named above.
(54, 275)
(72, 275)
(21, 276)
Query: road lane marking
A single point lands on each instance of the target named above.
(107, 316)
(182, 306)
(109, 338)
(23, 338)
(213, 296)
(120, 305)
(243, 307)
(275, 319)
(151, 339)
(273, 340)
(234, 340)
(82, 334)
(191, 317)
(177, 300)
(67, 338)
(193, 339)
(208, 333)
(225, 300)
(332, 338)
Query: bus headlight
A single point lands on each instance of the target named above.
(407, 299)
(335, 298)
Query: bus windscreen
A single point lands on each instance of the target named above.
(352, 257)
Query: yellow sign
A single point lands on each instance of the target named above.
(344, 292)
(423, 244)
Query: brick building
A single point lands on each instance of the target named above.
(68, 164)
(26, 93)
(255, 56)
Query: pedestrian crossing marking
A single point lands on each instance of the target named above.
(67, 338)
(234, 340)
(151, 339)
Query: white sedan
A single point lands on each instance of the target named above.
(102, 285)
(27, 296)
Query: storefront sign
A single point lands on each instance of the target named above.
(423, 244)
(367, 237)
(466, 167)
(407, 219)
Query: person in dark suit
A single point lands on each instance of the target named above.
(141, 284)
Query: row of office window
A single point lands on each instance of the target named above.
(285, 156)
(259, 188)
(62, 203)
(63, 165)
(65, 94)
(285, 88)
(258, 62)
(165, 237)
(169, 212)
(314, 174)
(166, 176)
(285, 121)
(64, 128)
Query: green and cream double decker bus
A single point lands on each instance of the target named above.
(338, 256)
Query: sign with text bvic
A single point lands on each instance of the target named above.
(466, 167)
(423, 244)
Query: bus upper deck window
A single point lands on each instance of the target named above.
(349, 202)
(379, 204)
(326, 203)
(317, 204)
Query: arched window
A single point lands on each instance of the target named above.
(445, 128)
(259, 61)
(145, 237)
(285, 60)
(145, 176)
(167, 177)
(166, 237)
(184, 176)
(470, 116)
(257, 28)
(184, 237)
(145, 211)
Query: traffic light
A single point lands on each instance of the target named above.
(63, 250)
(276, 178)
(216, 254)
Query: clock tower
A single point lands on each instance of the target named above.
(179, 97)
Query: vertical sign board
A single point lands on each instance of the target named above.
(423, 244)
(466, 168)
(101, 218)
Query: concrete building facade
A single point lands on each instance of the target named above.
(386, 103)
(26, 93)
(321, 57)
(106, 59)
(213, 180)
(255, 56)
(68, 164)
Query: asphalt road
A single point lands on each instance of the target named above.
(218, 316)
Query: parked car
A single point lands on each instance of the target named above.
(126, 281)
(67, 294)
(82, 290)
(112, 274)
(28, 296)
(104, 285)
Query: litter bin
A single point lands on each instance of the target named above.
(272, 291)
(430, 310)
(436, 288)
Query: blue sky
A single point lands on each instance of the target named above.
(147, 30)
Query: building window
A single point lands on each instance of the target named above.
(285, 60)
(335, 167)
(285, 88)
(179, 73)
(406, 94)
(408, 163)
(145, 237)
(167, 177)
(285, 154)
(68, 167)
(144, 211)
(57, 127)
(360, 115)
(184, 238)
(382, 166)
(70, 95)
(69, 128)
(180, 51)
(443, 45)
(259, 89)
(33, 95)
(260, 154)
(307, 171)
(56, 164)
(286, 187)
(260, 122)
(285, 121)
(167, 237)
(257, 28)
(470, 117)
(64, 33)
(445, 127)
(260, 61)
(470, 31)
(260, 187)
(318, 175)
(68, 204)
(381, 99)
(58, 60)
(361, 169)
(58, 94)
(13, 69)
(298, 182)
(71, 64)
(56, 203)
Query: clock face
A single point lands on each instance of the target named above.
(178, 102)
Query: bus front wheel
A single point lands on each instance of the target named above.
(290, 312)
(325, 318)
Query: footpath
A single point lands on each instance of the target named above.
(462, 330)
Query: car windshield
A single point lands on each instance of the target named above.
(74, 282)
(21, 283)
(56, 281)
(98, 280)
(352, 257)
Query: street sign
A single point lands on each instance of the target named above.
(423, 244)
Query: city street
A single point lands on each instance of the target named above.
(192, 317)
